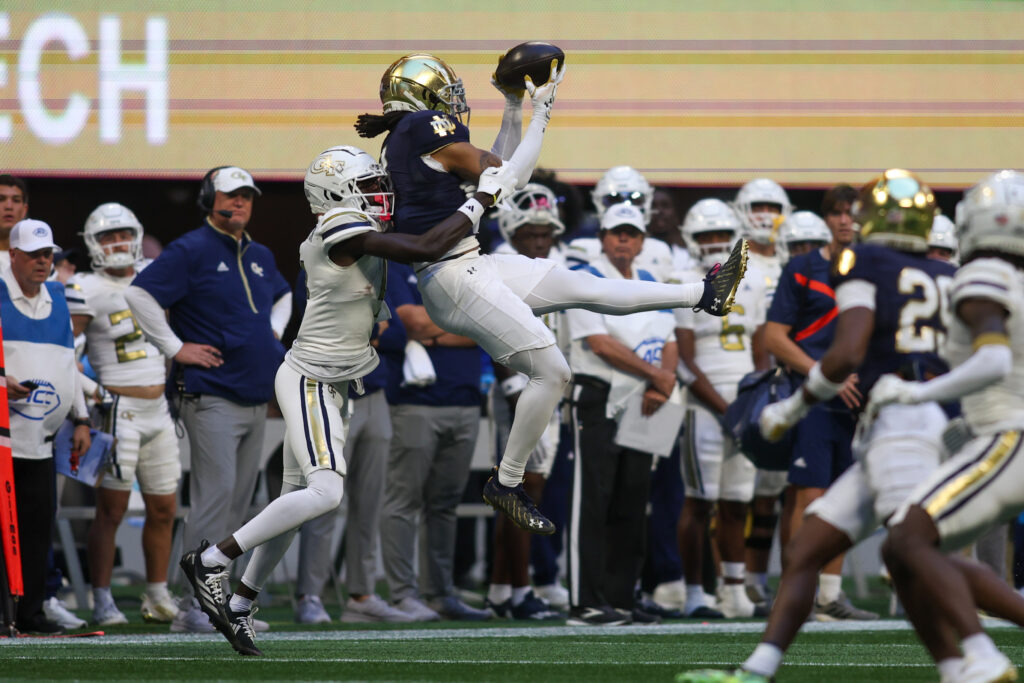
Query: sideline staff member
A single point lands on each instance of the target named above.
(42, 387)
(228, 305)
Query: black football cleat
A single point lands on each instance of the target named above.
(241, 634)
(722, 281)
(517, 506)
(207, 586)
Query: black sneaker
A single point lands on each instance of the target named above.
(595, 616)
(722, 281)
(705, 612)
(517, 506)
(240, 632)
(41, 626)
(640, 616)
(651, 607)
(533, 608)
(207, 586)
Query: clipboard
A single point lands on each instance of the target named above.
(656, 434)
(92, 465)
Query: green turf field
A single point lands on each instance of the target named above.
(878, 651)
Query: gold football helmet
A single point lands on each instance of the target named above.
(420, 81)
(896, 209)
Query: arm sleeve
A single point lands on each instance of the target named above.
(281, 313)
(511, 132)
(150, 315)
(526, 154)
(78, 406)
(989, 364)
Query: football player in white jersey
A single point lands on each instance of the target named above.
(133, 371)
(625, 185)
(981, 485)
(718, 352)
(530, 224)
(345, 281)
(762, 205)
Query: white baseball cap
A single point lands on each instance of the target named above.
(232, 178)
(31, 235)
(623, 214)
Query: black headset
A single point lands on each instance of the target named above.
(207, 193)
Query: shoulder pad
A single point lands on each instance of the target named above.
(343, 223)
(987, 278)
(431, 130)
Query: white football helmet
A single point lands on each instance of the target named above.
(106, 217)
(535, 204)
(761, 225)
(943, 235)
(991, 215)
(710, 215)
(623, 184)
(801, 226)
(334, 178)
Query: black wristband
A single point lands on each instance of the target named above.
(82, 422)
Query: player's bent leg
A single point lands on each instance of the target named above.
(323, 493)
(990, 592)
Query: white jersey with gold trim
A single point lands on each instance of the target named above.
(770, 268)
(118, 351)
(723, 344)
(998, 407)
(342, 303)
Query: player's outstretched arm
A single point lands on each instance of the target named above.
(511, 131)
(494, 184)
(991, 362)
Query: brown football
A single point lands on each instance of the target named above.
(531, 59)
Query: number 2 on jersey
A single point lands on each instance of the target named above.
(123, 354)
(915, 335)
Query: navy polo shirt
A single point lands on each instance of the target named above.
(806, 302)
(219, 292)
(457, 368)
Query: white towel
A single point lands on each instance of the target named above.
(417, 370)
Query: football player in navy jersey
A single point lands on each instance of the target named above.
(494, 299)
(893, 306)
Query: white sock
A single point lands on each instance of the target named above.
(764, 660)
(157, 590)
(733, 570)
(102, 596)
(214, 557)
(519, 593)
(239, 604)
(499, 593)
(549, 373)
(949, 668)
(694, 597)
(829, 587)
(979, 646)
(756, 579)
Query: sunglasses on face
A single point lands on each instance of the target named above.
(634, 198)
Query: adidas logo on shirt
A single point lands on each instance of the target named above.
(800, 462)
(222, 268)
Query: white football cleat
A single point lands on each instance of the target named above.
(158, 610)
(992, 669)
(56, 611)
(108, 615)
(734, 603)
(670, 595)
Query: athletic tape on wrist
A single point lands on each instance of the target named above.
(473, 210)
(821, 387)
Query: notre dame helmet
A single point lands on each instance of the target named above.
(896, 209)
(420, 81)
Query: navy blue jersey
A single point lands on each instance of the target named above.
(424, 196)
(911, 302)
(804, 301)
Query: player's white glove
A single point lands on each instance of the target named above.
(890, 389)
(777, 418)
(543, 96)
(513, 97)
(498, 181)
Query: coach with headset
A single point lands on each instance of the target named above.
(228, 307)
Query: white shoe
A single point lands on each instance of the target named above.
(416, 609)
(555, 594)
(310, 610)
(670, 595)
(734, 603)
(372, 609)
(160, 610)
(258, 625)
(56, 611)
(992, 669)
(108, 615)
(191, 619)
